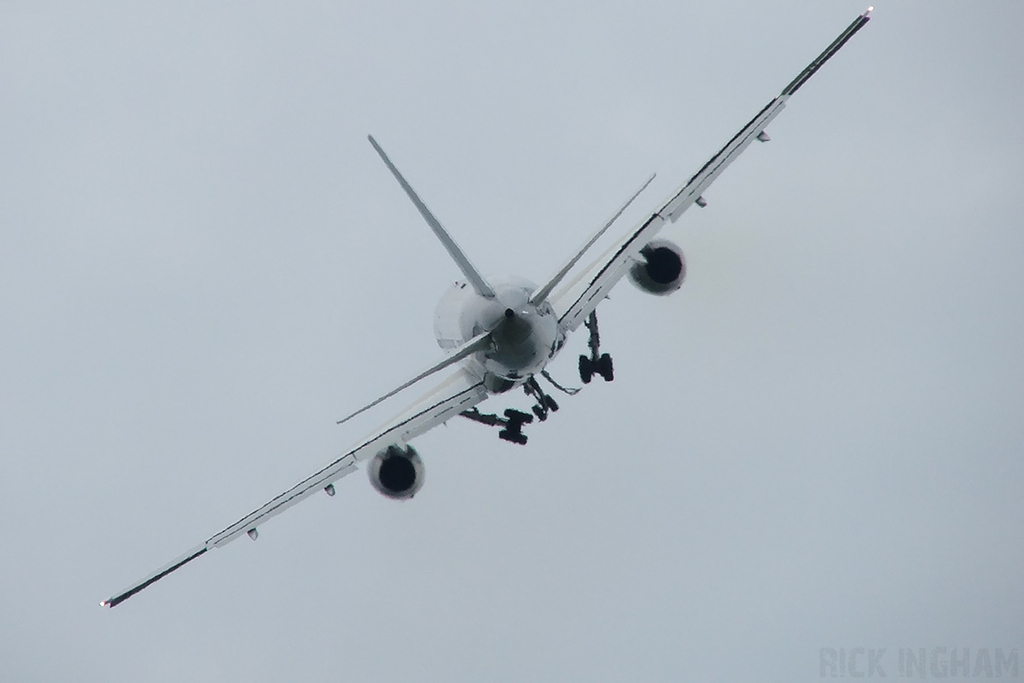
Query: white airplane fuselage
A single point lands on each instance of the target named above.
(525, 336)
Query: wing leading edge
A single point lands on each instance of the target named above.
(579, 297)
(458, 392)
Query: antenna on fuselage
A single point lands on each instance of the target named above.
(472, 274)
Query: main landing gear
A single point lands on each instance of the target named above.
(598, 363)
(512, 422)
(544, 401)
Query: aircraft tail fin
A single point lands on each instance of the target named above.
(472, 274)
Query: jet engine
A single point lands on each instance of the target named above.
(661, 268)
(397, 473)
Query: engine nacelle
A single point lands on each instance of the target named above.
(397, 473)
(662, 270)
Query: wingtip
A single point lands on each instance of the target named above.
(867, 14)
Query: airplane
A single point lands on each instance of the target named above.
(500, 334)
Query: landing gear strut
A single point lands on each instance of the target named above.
(544, 401)
(512, 423)
(597, 363)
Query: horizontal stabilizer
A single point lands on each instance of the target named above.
(543, 292)
(477, 343)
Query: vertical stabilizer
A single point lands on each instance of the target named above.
(472, 274)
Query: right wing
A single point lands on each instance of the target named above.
(460, 391)
(579, 297)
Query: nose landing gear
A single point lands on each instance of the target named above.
(597, 363)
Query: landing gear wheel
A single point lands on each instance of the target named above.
(511, 425)
(604, 367)
(517, 418)
(512, 436)
(550, 403)
(540, 413)
(586, 370)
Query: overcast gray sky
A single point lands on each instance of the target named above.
(816, 443)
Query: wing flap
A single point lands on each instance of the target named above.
(574, 302)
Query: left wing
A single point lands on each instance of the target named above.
(459, 392)
(579, 297)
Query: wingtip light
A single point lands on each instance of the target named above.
(870, 10)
